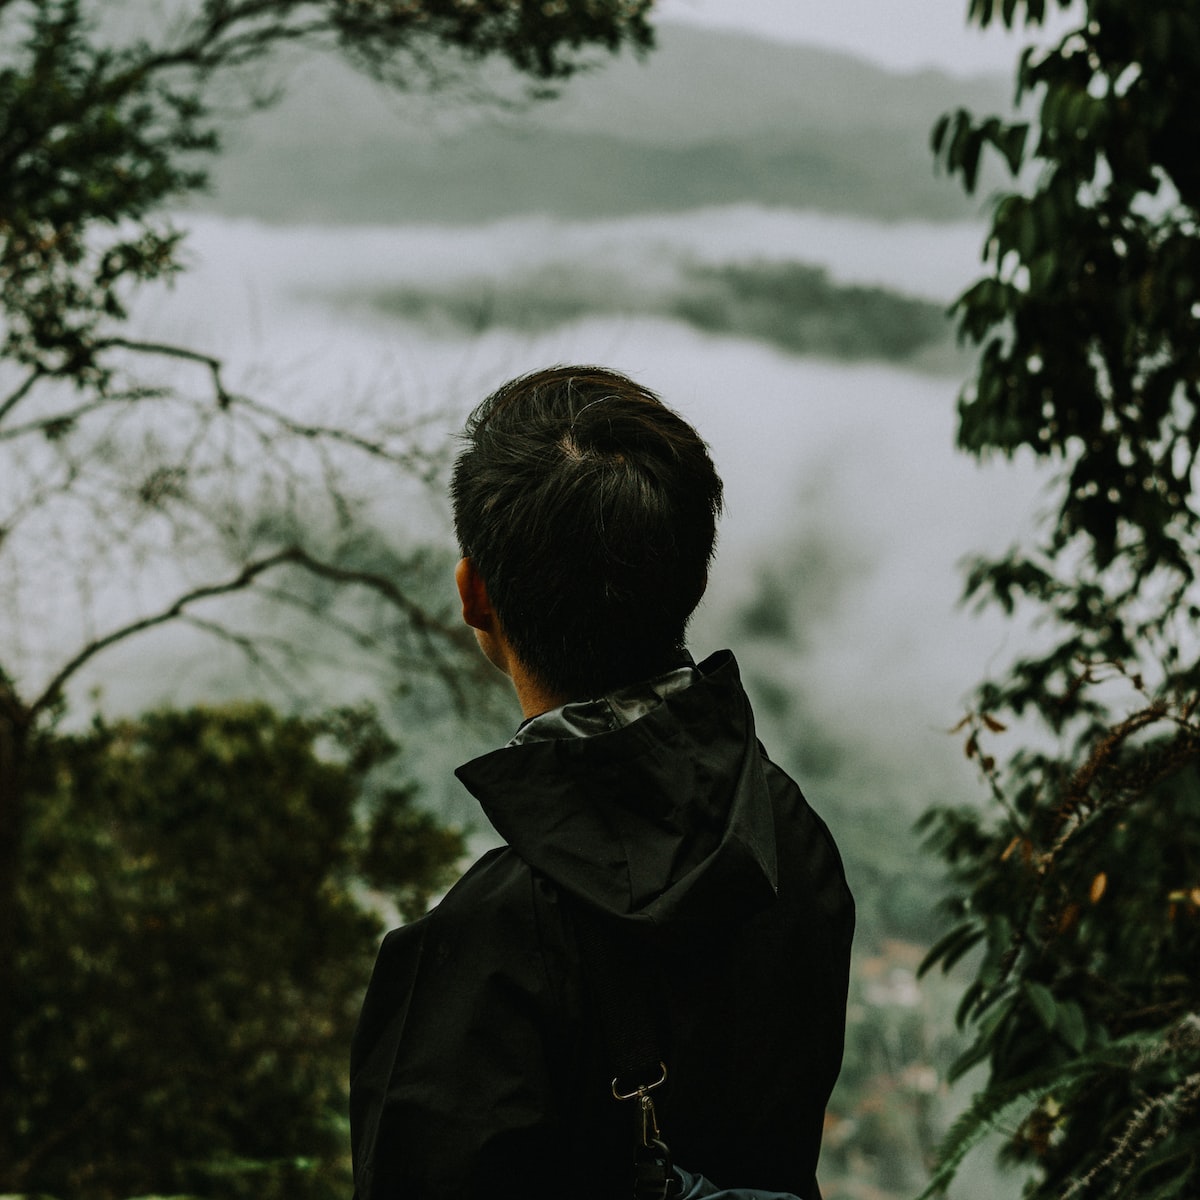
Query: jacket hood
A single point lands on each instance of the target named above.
(667, 819)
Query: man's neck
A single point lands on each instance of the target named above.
(533, 698)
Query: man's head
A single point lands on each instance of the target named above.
(588, 509)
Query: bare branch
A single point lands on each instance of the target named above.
(432, 632)
(429, 629)
(64, 419)
(219, 42)
(241, 581)
(168, 350)
(363, 639)
(376, 448)
(250, 647)
(321, 612)
(14, 398)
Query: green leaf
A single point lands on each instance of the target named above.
(990, 1110)
(971, 1057)
(949, 949)
(1042, 272)
(1042, 1001)
(1069, 1022)
(1012, 145)
(1027, 232)
(979, 12)
(938, 135)
(971, 150)
(967, 1002)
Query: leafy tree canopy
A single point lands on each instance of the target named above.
(1078, 890)
(203, 900)
(1089, 329)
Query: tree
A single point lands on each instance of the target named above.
(1079, 888)
(194, 935)
(140, 489)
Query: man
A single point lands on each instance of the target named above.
(635, 801)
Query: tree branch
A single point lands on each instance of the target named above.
(14, 398)
(67, 417)
(220, 43)
(242, 580)
(375, 448)
(214, 365)
(251, 647)
(425, 625)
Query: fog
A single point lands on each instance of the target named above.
(841, 477)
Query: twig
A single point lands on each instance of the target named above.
(425, 626)
(247, 645)
(166, 349)
(68, 417)
(243, 579)
(14, 398)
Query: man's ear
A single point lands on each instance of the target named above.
(476, 607)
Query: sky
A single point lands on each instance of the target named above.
(904, 35)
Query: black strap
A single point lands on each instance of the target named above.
(620, 978)
(620, 974)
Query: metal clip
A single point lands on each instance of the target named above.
(650, 1133)
(641, 1093)
(642, 1088)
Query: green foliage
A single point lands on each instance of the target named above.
(194, 936)
(88, 137)
(1089, 329)
(1082, 896)
(1077, 892)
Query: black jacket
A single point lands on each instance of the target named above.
(478, 1067)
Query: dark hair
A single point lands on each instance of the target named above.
(589, 510)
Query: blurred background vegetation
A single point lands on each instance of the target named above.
(202, 897)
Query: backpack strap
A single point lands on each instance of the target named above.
(620, 979)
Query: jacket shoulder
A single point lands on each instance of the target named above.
(450, 1069)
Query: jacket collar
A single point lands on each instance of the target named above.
(667, 818)
(586, 718)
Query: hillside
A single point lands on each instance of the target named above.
(708, 118)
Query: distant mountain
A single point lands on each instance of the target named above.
(707, 118)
